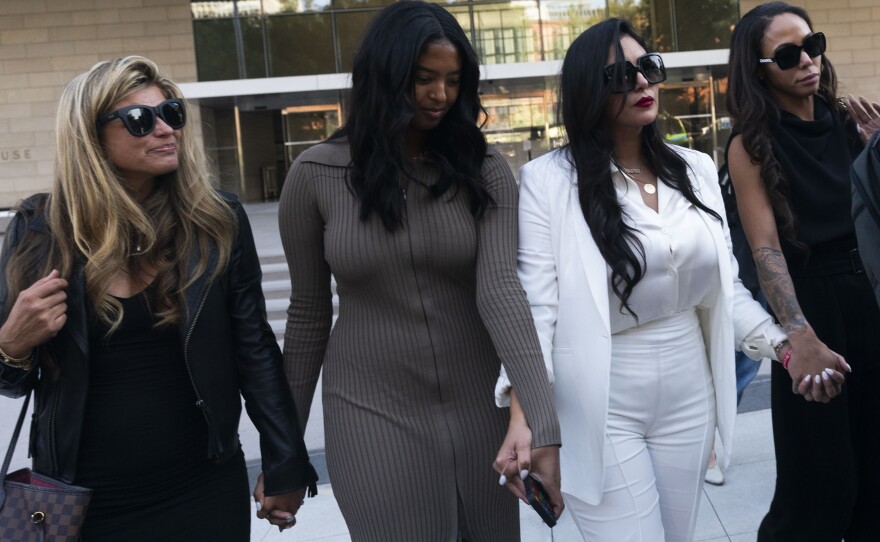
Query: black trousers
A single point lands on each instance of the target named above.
(827, 455)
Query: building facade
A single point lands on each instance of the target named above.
(269, 77)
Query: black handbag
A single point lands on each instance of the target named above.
(37, 508)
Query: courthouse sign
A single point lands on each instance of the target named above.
(15, 155)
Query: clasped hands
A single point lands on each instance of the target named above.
(816, 371)
(279, 510)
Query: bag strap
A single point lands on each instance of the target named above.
(11, 450)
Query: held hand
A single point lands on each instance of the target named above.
(825, 386)
(279, 510)
(37, 315)
(545, 465)
(866, 114)
(514, 458)
(809, 360)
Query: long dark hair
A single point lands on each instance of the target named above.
(382, 107)
(585, 95)
(753, 107)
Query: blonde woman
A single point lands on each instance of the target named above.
(131, 303)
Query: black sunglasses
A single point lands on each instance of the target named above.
(649, 65)
(789, 56)
(140, 120)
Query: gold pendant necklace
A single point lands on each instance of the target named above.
(649, 188)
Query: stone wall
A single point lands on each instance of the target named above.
(45, 43)
(853, 31)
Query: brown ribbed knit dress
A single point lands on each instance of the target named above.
(426, 315)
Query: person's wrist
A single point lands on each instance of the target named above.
(781, 348)
(785, 359)
(15, 359)
(518, 419)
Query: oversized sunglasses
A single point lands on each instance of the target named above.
(649, 65)
(140, 120)
(789, 56)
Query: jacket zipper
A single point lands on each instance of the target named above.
(53, 447)
(212, 433)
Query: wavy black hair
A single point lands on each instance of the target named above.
(585, 96)
(381, 109)
(753, 108)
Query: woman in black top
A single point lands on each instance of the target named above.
(789, 164)
(131, 303)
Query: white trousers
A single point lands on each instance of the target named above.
(661, 423)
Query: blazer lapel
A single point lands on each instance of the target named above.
(594, 266)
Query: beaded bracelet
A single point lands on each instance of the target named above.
(17, 363)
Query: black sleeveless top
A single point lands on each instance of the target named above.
(141, 413)
(144, 443)
(815, 157)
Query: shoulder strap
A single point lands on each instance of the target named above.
(11, 450)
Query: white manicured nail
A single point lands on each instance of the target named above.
(523, 473)
(502, 480)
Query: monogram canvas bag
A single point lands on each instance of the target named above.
(37, 508)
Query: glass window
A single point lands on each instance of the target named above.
(216, 57)
(360, 4)
(704, 24)
(637, 12)
(350, 28)
(507, 32)
(271, 7)
(661, 31)
(248, 7)
(218, 132)
(563, 20)
(300, 44)
(212, 9)
(252, 39)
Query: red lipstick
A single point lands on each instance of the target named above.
(647, 101)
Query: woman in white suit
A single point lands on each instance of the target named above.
(627, 265)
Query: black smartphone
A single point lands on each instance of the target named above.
(539, 500)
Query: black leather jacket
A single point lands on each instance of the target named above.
(229, 348)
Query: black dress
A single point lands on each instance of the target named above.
(144, 442)
(827, 468)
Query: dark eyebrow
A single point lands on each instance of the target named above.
(424, 69)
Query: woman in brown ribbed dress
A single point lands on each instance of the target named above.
(416, 219)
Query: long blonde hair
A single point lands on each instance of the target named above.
(93, 217)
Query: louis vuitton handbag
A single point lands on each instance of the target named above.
(36, 508)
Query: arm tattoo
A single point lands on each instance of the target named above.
(779, 289)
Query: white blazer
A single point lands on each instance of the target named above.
(565, 278)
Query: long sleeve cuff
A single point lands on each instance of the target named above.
(762, 342)
(502, 389)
